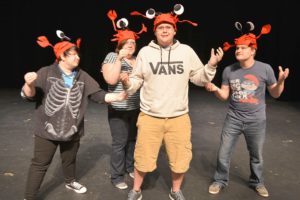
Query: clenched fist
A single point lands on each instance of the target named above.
(123, 53)
(30, 77)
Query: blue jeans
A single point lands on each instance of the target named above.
(254, 133)
(123, 131)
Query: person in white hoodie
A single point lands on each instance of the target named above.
(163, 71)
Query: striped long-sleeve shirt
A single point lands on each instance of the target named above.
(133, 100)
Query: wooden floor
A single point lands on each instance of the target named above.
(281, 154)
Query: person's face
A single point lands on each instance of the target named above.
(71, 60)
(244, 53)
(165, 33)
(130, 45)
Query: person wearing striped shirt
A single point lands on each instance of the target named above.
(122, 116)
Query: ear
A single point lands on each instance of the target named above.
(62, 57)
(253, 51)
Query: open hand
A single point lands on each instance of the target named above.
(215, 58)
(283, 74)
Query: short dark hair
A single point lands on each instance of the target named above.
(66, 52)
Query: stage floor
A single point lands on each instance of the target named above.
(281, 154)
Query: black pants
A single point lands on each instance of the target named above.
(44, 151)
(123, 131)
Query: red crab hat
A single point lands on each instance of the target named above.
(248, 39)
(123, 33)
(171, 18)
(59, 47)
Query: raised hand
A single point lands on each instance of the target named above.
(30, 77)
(123, 53)
(215, 58)
(282, 74)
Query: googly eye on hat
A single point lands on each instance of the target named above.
(121, 27)
(59, 47)
(171, 17)
(249, 39)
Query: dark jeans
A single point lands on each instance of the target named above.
(44, 151)
(123, 131)
(254, 133)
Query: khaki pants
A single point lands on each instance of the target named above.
(174, 133)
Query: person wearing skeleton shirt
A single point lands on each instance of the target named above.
(61, 92)
(245, 83)
(163, 71)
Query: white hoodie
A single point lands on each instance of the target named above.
(164, 74)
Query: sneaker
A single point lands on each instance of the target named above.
(131, 174)
(121, 185)
(176, 195)
(77, 187)
(262, 191)
(214, 188)
(133, 195)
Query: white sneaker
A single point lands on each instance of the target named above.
(121, 185)
(131, 174)
(77, 187)
(262, 191)
(214, 188)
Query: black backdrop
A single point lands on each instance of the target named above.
(22, 21)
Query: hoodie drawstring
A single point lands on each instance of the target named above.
(169, 56)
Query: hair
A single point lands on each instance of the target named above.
(120, 45)
(66, 52)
